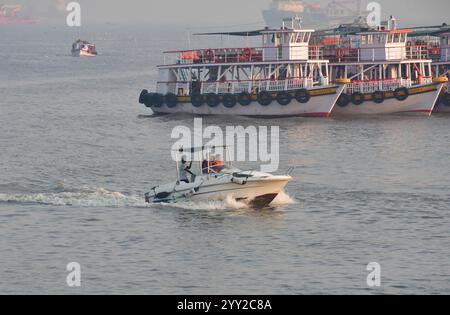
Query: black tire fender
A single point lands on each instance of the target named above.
(302, 96)
(284, 98)
(265, 98)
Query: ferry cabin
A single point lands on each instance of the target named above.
(284, 62)
(381, 60)
(442, 66)
(445, 47)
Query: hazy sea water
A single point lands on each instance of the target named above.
(77, 153)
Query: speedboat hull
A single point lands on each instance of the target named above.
(256, 191)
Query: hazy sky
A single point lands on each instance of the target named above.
(189, 13)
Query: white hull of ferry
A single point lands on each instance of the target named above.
(416, 104)
(317, 106)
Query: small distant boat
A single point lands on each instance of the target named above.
(9, 15)
(82, 48)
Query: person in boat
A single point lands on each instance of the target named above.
(205, 167)
(216, 164)
(184, 169)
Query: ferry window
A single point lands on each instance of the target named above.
(378, 39)
(390, 38)
(307, 37)
(446, 41)
(364, 40)
(397, 38)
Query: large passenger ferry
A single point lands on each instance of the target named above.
(387, 74)
(286, 76)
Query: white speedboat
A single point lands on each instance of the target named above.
(82, 48)
(218, 183)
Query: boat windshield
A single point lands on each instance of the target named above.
(220, 169)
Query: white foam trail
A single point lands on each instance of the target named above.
(283, 199)
(96, 198)
(100, 197)
(228, 204)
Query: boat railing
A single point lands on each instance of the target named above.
(242, 55)
(208, 56)
(382, 53)
(371, 86)
(258, 85)
(185, 88)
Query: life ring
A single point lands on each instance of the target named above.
(340, 53)
(171, 100)
(229, 100)
(357, 98)
(142, 96)
(302, 96)
(157, 100)
(148, 100)
(446, 99)
(343, 100)
(401, 94)
(265, 98)
(245, 98)
(246, 55)
(378, 97)
(212, 100)
(435, 51)
(284, 98)
(197, 100)
(209, 55)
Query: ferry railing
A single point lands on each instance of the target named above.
(377, 85)
(243, 55)
(445, 54)
(260, 85)
(234, 87)
(316, 52)
(209, 56)
(381, 53)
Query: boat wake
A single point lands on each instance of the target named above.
(100, 197)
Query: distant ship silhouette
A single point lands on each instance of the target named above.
(334, 13)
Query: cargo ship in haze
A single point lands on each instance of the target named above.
(335, 13)
(10, 14)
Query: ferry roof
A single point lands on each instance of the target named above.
(404, 31)
(258, 32)
(240, 33)
(288, 30)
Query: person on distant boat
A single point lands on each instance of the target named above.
(184, 169)
(216, 164)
